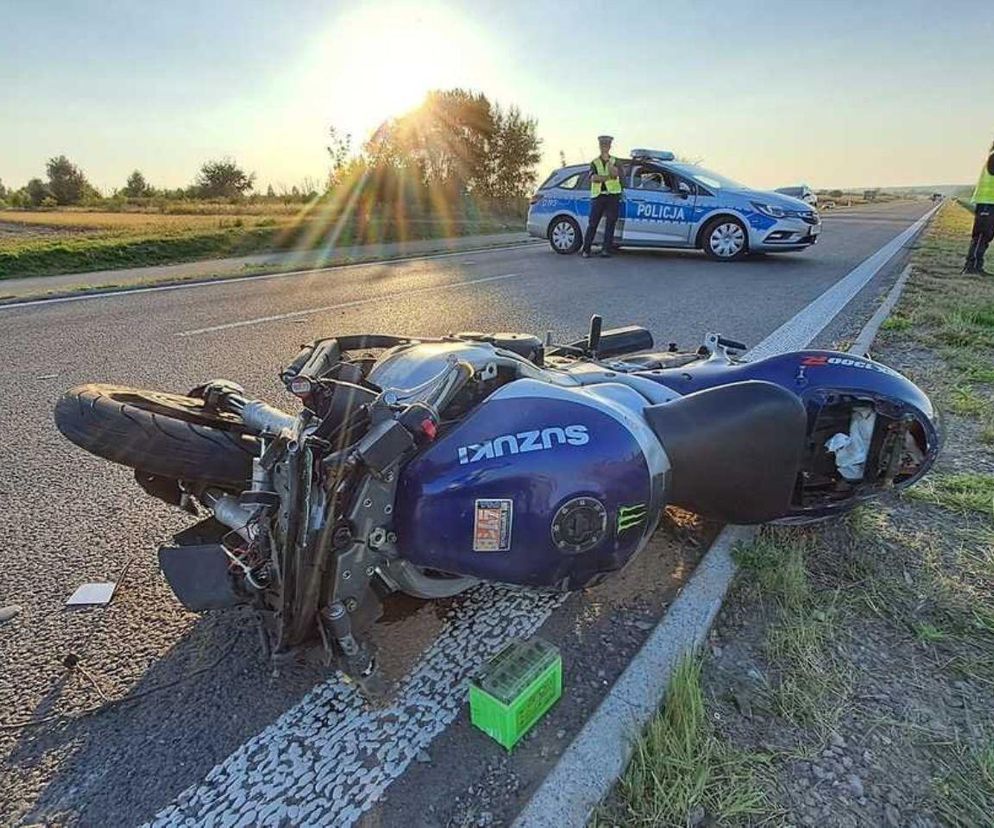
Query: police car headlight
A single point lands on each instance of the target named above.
(770, 210)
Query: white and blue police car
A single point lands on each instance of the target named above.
(669, 203)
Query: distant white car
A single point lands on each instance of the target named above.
(803, 192)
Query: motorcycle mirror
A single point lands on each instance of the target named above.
(594, 335)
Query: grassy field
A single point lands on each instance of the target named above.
(75, 241)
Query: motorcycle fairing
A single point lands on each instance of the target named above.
(829, 384)
(525, 444)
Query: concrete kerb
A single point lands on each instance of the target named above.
(588, 769)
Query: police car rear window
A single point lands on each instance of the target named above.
(571, 182)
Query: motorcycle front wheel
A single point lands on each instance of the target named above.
(167, 435)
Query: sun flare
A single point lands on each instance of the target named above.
(385, 60)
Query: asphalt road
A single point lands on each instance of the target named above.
(68, 518)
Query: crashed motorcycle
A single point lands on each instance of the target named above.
(427, 465)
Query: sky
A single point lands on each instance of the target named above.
(831, 93)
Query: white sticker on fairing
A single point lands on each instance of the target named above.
(492, 525)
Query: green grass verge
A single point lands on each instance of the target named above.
(809, 682)
(964, 492)
(681, 770)
(103, 250)
(964, 792)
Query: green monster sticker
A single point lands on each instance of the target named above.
(631, 516)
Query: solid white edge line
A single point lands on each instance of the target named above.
(354, 303)
(206, 281)
(861, 345)
(588, 769)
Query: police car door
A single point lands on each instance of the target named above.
(656, 212)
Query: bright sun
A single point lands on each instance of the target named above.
(383, 61)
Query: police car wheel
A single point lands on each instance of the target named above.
(565, 236)
(725, 240)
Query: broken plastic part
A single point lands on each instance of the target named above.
(851, 449)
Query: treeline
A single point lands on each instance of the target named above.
(66, 185)
(458, 152)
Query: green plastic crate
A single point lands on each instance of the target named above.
(515, 689)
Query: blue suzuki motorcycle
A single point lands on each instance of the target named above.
(427, 465)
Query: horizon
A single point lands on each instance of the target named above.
(156, 89)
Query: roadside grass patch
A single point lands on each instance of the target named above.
(965, 401)
(961, 492)
(964, 791)
(928, 633)
(896, 323)
(810, 682)
(682, 773)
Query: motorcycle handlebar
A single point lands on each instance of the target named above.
(731, 343)
(314, 361)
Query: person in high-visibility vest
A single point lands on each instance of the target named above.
(983, 218)
(605, 197)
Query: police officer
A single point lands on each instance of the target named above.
(983, 221)
(605, 197)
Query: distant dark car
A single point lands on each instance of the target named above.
(804, 193)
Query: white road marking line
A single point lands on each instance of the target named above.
(327, 760)
(324, 308)
(806, 325)
(261, 277)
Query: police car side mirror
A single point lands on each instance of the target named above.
(683, 188)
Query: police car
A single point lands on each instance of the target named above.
(669, 203)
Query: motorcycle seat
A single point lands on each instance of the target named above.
(735, 450)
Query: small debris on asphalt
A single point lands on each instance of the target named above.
(92, 594)
(9, 612)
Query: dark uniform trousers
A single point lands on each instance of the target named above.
(983, 233)
(605, 206)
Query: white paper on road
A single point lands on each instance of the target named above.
(97, 593)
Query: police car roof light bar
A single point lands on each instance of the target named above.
(656, 155)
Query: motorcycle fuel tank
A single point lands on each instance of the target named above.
(539, 486)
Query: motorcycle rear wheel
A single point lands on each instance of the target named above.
(168, 435)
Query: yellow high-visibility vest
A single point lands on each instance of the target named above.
(612, 185)
(983, 193)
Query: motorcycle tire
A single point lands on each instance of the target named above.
(167, 435)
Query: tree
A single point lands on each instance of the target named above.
(137, 186)
(36, 192)
(223, 179)
(66, 182)
(3, 190)
(513, 153)
(456, 145)
(269, 192)
(340, 149)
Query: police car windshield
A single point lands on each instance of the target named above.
(708, 178)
